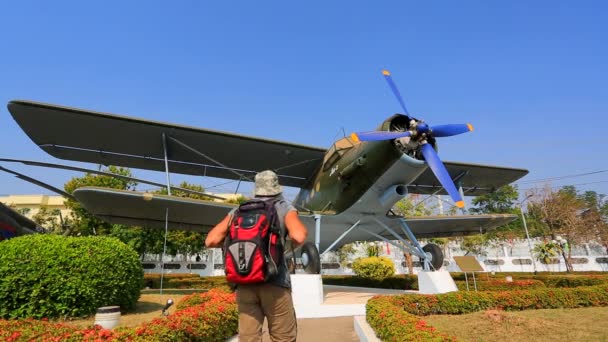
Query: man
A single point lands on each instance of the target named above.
(273, 299)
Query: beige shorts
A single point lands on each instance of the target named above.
(265, 300)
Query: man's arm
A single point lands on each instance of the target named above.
(295, 228)
(216, 236)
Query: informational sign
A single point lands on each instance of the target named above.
(468, 264)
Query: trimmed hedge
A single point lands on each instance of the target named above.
(43, 275)
(393, 318)
(465, 302)
(211, 316)
(572, 281)
(403, 282)
(392, 323)
(500, 285)
(185, 281)
(496, 282)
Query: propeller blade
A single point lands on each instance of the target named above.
(389, 79)
(441, 173)
(378, 135)
(450, 130)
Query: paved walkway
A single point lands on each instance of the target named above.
(335, 329)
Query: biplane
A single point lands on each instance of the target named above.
(12, 223)
(346, 191)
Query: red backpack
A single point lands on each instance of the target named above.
(253, 245)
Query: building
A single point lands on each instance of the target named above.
(29, 205)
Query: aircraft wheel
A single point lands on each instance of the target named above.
(291, 265)
(434, 252)
(311, 261)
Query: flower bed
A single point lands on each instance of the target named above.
(211, 316)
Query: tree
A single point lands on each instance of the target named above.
(343, 252)
(49, 219)
(501, 201)
(595, 216)
(179, 241)
(238, 200)
(545, 251)
(84, 223)
(560, 213)
(408, 206)
(475, 244)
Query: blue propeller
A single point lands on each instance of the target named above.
(441, 173)
(389, 79)
(419, 132)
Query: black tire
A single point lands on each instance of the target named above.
(311, 261)
(436, 255)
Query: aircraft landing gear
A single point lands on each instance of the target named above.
(311, 261)
(435, 255)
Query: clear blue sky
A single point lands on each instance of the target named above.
(530, 76)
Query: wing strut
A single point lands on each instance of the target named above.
(341, 237)
(80, 169)
(166, 167)
(195, 151)
(39, 183)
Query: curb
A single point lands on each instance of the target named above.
(364, 330)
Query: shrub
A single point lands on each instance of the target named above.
(35, 330)
(466, 302)
(500, 285)
(211, 317)
(397, 282)
(572, 281)
(392, 323)
(374, 267)
(185, 281)
(57, 276)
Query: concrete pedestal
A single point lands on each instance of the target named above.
(306, 289)
(435, 282)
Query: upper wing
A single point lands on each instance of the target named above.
(475, 179)
(81, 135)
(150, 210)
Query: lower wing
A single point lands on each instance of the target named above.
(148, 210)
(374, 228)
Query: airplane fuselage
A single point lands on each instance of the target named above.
(350, 168)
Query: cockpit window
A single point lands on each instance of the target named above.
(338, 149)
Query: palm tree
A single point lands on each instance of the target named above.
(545, 251)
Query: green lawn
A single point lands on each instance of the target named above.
(584, 324)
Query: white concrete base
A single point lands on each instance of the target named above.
(308, 298)
(435, 282)
(364, 330)
(329, 310)
(306, 289)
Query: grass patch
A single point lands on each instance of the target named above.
(581, 324)
(147, 308)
